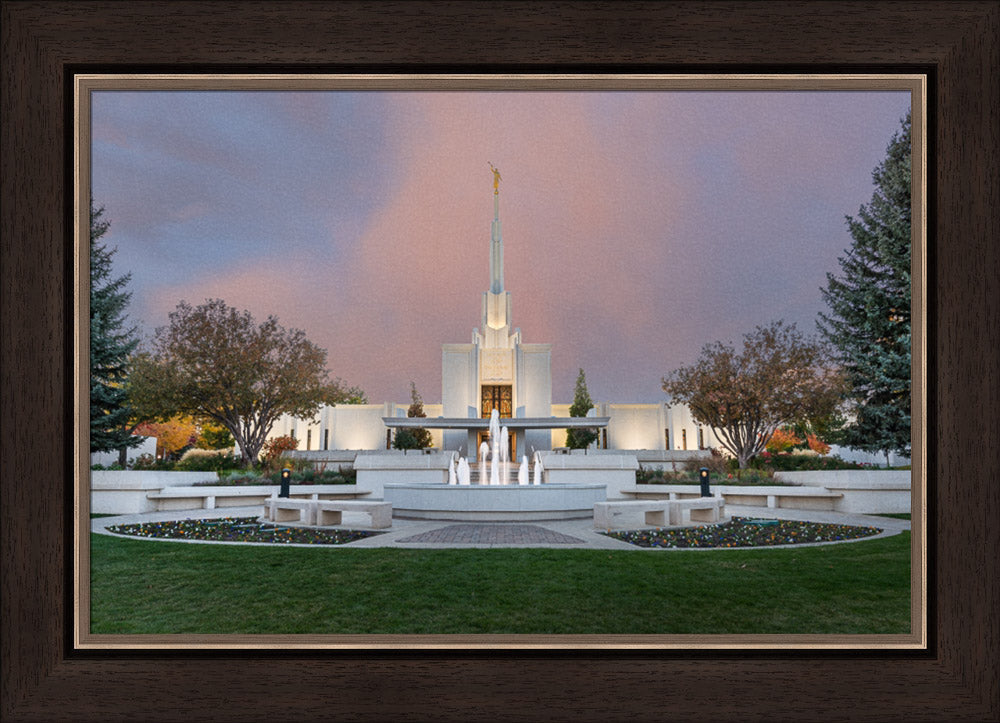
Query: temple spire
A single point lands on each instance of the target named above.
(496, 240)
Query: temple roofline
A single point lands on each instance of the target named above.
(484, 422)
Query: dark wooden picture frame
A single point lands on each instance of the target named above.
(43, 678)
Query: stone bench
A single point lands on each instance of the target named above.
(284, 509)
(326, 512)
(210, 497)
(702, 509)
(632, 514)
(773, 496)
(330, 512)
(791, 498)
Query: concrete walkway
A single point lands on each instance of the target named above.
(554, 534)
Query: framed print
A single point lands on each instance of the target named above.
(425, 134)
(48, 673)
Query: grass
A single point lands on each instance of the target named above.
(142, 586)
(897, 515)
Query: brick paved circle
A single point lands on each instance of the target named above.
(494, 535)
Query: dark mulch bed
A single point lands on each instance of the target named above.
(239, 529)
(745, 532)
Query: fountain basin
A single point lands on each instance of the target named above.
(493, 503)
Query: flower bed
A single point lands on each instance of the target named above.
(239, 529)
(745, 532)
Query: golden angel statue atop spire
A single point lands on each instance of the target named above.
(496, 177)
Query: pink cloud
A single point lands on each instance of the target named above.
(600, 226)
(575, 205)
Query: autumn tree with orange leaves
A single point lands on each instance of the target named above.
(215, 363)
(780, 377)
(172, 435)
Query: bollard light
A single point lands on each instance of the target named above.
(703, 476)
(286, 476)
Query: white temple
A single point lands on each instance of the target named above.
(496, 370)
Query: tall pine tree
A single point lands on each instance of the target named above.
(580, 438)
(869, 320)
(111, 345)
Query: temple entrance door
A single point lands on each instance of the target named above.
(501, 398)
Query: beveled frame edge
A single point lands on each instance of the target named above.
(913, 83)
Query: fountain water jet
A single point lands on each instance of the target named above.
(504, 456)
(522, 472)
(495, 441)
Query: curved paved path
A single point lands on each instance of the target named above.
(557, 534)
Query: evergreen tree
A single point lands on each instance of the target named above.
(111, 344)
(869, 320)
(417, 438)
(580, 438)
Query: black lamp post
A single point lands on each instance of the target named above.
(286, 475)
(703, 476)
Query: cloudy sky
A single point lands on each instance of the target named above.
(637, 226)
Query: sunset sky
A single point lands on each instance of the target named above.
(637, 226)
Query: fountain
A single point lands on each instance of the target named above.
(467, 498)
(463, 471)
(452, 478)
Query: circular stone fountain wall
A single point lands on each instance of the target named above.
(494, 502)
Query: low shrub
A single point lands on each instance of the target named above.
(207, 460)
(309, 476)
(720, 470)
(274, 448)
(149, 462)
(313, 477)
(645, 475)
(749, 476)
(718, 465)
(804, 462)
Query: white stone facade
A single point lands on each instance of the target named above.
(631, 426)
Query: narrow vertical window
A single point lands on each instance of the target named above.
(326, 439)
(309, 439)
(666, 439)
(684, 439)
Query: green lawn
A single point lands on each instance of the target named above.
(141, 586)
